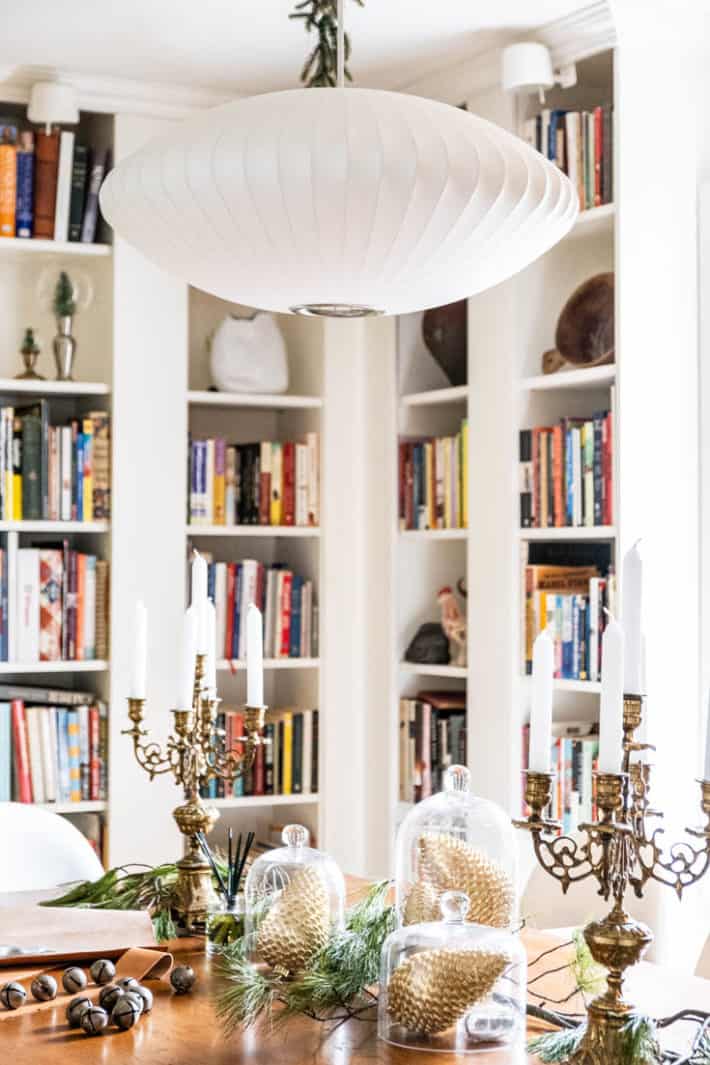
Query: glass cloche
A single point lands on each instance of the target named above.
(294, 897)
(451, 985)
(455, 841)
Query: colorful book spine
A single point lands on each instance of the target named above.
(8, 180)
(24, 210)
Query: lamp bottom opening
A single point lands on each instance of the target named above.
(335, 310)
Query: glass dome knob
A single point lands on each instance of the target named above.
(454, 906)
(457, 778)
(295, 836)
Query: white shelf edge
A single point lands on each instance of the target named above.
(433, 534)
(55, 526)
(571, 533)
(563, 684)
(436, 396)
(87, 806)
(237, 802)
(593, 221)
(226, 664)
(253, 530)
(89, 665)
(422, 670)
(54, 388)
(264, 401)
(594, 377)
(31, 246)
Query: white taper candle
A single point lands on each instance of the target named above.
(255, 657)
(541, 709)
(611, 709)
(186, 670)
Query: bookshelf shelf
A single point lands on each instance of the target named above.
(55, 526)
(581, 533)
(259, 401)
(594, 377)
(237, 802)
(420, 670)
(597, 221)
(25, 246)
(93, 665)
(238, 666)
(579, 687)
(86, 807)
(52, 388)
(433, 534)
(436, 397)
(289, 531)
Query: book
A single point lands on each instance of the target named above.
(50, 604)
(8, 179)
(91, 208)
(46, 169)
(24, 205)
(79, 175)
(21, 753)
(64, 181)
(5, 752)
(28, 582)
(433, 481)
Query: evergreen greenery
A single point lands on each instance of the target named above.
(64, 303)
(639, 1043)
(334, 986)
(321, 66)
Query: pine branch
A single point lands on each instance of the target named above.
(321, 67)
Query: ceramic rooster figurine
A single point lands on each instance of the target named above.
(453, 622)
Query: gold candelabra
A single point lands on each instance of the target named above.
(195, 754)
(621, 849)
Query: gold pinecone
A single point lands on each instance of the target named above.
(298, 923)
(430, 991)
(449, 864)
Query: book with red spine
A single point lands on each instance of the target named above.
(536, 478)
(231, 581)
(558, 475)
(71, 606)
(260, 598)
(289, 482)
(598, 141)
(94, 754)
(285, 614)
(258, 776)
(21, 752)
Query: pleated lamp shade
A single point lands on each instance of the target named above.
(339, 201)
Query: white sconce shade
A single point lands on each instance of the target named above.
(527, 67)
(53, 103)
(339, 202)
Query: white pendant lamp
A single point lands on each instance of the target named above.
(339, 202)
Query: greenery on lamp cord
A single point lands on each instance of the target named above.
(130, 887)
(639, 1044)
(321, 66)
(335, 984)
(64, 304)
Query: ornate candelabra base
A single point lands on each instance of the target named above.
(617, 942)
(195, 892)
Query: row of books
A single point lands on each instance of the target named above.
(54, 603)
(433, 482)
(432, 736)
(286, 601)
(573, 603)
(49, 752)
(264, 483)
(285, 764)
(49, 184)
(581, 143)
(575, 752)
(54, 472)
(566, 473)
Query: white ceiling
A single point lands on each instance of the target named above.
(250, 45)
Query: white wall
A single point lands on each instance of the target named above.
(150, 426)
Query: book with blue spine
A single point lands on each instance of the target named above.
(79, 475)
(4, 601)
(5, 753)
(296, 611)
(63, 777)
(24, 203)
(238, 581)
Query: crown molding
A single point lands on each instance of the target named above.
(569, 39)
(113, 95)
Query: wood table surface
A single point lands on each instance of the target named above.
(182, 1030)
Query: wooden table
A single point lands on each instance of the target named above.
(181, 1030)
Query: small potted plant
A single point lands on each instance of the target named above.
(64, 344)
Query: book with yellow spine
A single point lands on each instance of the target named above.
(74, 750)
(276, 484)
(464, 473)
(287, 754)
(8, 181)
(88, 478)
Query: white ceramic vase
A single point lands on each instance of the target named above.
(249, 355)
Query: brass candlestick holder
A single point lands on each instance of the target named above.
(195, 754)
(620, 850)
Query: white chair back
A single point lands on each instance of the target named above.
(40, 849)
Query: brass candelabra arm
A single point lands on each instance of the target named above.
(560, 856)
(230, 765)
(149, 755)
(684, 864)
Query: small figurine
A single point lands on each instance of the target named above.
(30, 353)
(453, 623)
